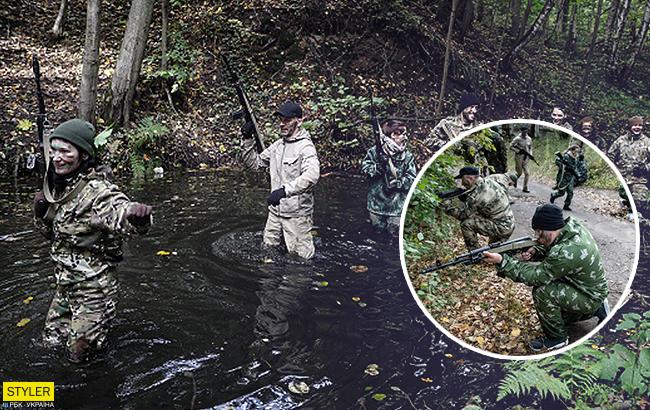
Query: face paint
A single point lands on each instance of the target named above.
(65, 157)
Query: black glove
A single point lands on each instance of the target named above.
(40, 205)
(501, 273)
(581, 157)
(276, 196)
(139, 214)
(382, 161)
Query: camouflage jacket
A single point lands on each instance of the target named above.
(522, 143)
(573, 258)
(567, 169)
(488, 199)
(632, 157)
(503, 179)
(87, 230)
(446, 130)
(387, 192)
(294, 165)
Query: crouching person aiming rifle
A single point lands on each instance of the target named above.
(568, 284)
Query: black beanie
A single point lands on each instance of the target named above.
(467, 100)
(548, 217)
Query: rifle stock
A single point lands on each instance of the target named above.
(476, 255)
(246, 107)
(33, 161)
(451, 193)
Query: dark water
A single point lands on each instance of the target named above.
(221, 324)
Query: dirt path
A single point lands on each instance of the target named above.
(614, 235)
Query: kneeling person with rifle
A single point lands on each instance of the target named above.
(294, 169)
(390, 167)
(569, 284)
(485, 210)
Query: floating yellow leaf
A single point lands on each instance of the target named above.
(29, 299)
(324, 283)
(515, 332)
(163, 253)
(449, 355)
(426, 379)
(359, 268)
(267, 260)
(356, 298)
(23, 322)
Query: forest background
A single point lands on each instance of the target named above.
(151, 73)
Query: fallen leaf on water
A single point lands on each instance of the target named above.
(356, 298)
(267, 260)
(298, 387)
(361, 304)
(359, 268)
(449, 355)
(379, 396)
(29, 299)
(426, 379)
(372, 369)
(163, 253)
(23, 322)
(324, 283)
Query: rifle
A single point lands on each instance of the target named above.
(32, 160)
(567, 166)
(525, 153)
(476, 255)
(246, 110)
(452, 193)
(376, 133)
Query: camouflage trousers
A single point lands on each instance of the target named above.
(559, 304)
(81, 312)
(521, 167)
(639, 192)
(565, 189)
(385, 223)
(475, 225)
(295, 231)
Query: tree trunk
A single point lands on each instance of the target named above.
(571, 39)
(445, 70)
(611, 19)
(163, 35)
(506, 63)
(620, 25)
(638, 46)
(467, 18)
(57, 30)
(590, 55)
(88, 87)
(129, 62)
(524, 20)
(515, 22)
(559, 17)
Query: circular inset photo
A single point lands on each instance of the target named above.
(519, 239)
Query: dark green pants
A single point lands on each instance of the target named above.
(559, 304)
(565, 189)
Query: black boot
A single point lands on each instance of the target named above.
(566, 208)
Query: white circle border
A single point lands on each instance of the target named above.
(624, 295)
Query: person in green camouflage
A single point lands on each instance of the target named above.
(522, 145)
(631, 154)
(391, 173)
(86, 217)
(485, 210)
(451, 127)
(497, 158)
(566, 175)
(569, 283)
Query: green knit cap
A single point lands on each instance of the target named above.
(78, 132)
